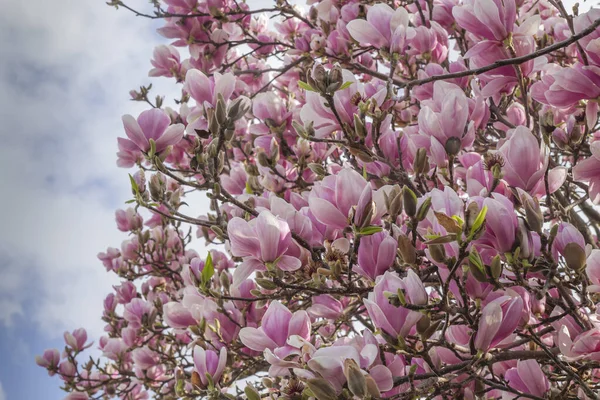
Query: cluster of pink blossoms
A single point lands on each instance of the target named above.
(403, 204)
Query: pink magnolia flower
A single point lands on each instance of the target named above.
(528, 377)
(49, 360)
(526, 163)
(363, 350)
(564, 87)
(113, 348)
(588, 170)
(177, 316)
(135, 311)
(152, 124)
(376, 254)
(487, 19)
(589, 43)
(325, 306)
(585, 345)
(205, 90)
(208, 362)
(444, 119)
(498, 321)
(77, 339)
(265, 239)
(331, 199)
(391, 319)
(128, 220)
(278, 324)
(144, 358)
(384, 27)
(166, 62)
(567, 233)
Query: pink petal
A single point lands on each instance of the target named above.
(383, 377)
(171, 136)
(134, 132)
(255, 339)
(365, 33)
(153, 123)
(276, 321)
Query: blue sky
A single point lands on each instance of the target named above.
(66, 67)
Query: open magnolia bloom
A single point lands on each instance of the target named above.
(356, 200)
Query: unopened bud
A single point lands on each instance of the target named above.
(221, 110)
(263, 159)
(321, 389)
(317, 169)
(496, 267)
(359, 127)
(239, 107)
(452, 146)
(534, 216)
(410, 201)
(424, 209)
(356, 379)
(574, 257)
(319, 76)
(407, 250)
(299, 129)
(421, 164)
(437, 252)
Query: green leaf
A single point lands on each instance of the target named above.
(370, 230)
(478, 222)
(134, 185)
(130, 201)
(346, 85)
(208, 271)
(306, 86)
(435, 239)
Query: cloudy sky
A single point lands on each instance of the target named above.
(66, 67)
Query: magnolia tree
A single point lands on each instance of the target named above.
(402, 205)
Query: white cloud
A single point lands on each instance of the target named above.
(65, 71)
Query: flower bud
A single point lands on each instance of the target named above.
(424, 209)
(453, 146)
(533, 213)
(319, 77)
(421, 164)
(263, 159)
(359, 127)
(407, 250)
(336, 79)
(221, 110)
(356, 380)
(321, 389)
(496, 267)
(575, 257)
(437, 252)
(238, 108)
(410, 201)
